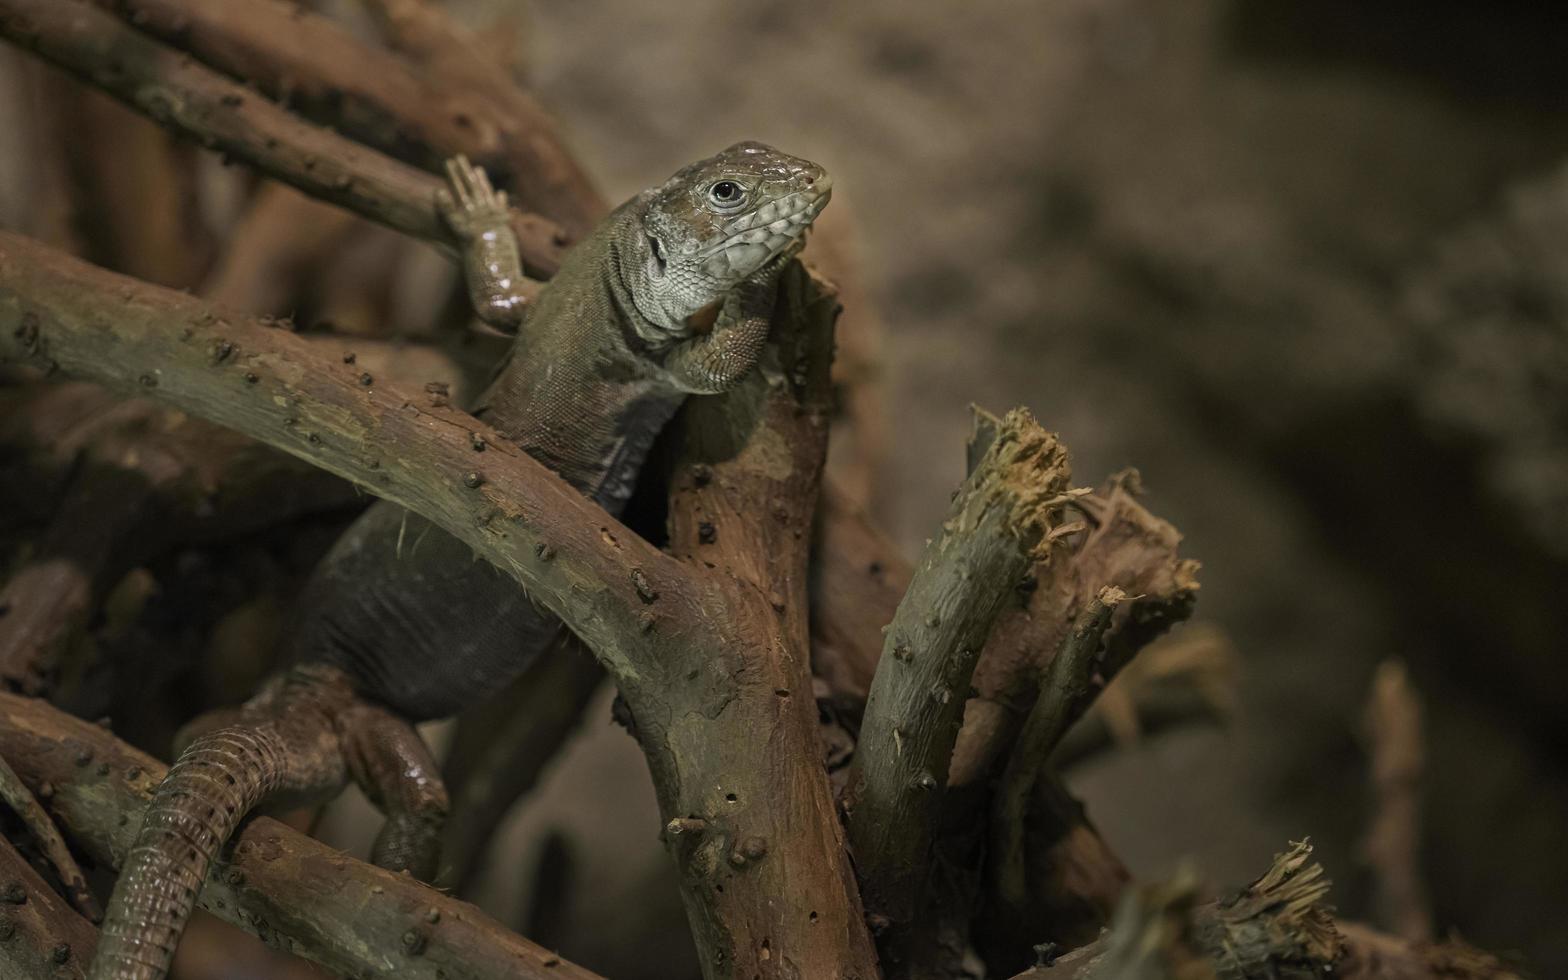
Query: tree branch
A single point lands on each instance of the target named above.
(1278, 927)
(1392, 847)
(410, 448)
(701, 658)
(224, 115)
(311, 64)
(143, 478)
(732, 740)
(291, 891)
(1000, 516)
(17, 796)
(522, 143)
(1063, 691)
(40, 936)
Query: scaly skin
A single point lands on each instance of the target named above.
(401, 623)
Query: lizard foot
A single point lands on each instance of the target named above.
(470, 205)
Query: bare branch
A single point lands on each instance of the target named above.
(1064, 689)
(325, 73)
(407, 447)
(999, 517)
(143, 478)
(40, 936)
(17, 796)
(1182, 680)
(1278, 926)
(293, 892)
(733, 741)
(224, 115)
(701, 658)
(509, 132)
(1392, 847)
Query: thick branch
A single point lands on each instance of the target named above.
(321, 70)
(40, 936)
(987, 544)
(733, 744)
(293, 892)
(224, 115)
(410, 448)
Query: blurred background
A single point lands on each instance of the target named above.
(1304, 264)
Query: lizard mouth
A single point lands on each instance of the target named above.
(754, 239)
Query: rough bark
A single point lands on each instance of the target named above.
(224, 115)
(1278, 927)
(1006, 508)
(700, 657)
(421, 115)
(1074, 879)
(731, 733)
(294, 893)
(48, 840)
(1067, 684)
(40, 936)
(409, 447)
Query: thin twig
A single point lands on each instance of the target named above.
(1393, 842)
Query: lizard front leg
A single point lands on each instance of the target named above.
(716, 361)
(492, 265)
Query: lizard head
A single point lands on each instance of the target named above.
(720, 221)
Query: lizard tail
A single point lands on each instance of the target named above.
(217, 780)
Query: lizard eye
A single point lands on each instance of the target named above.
(726, 193)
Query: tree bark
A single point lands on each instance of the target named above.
(40, 936)
(294, 893)
(224, 115)
(1010, 502)
(422, 116)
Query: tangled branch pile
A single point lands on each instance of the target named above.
(855, 758)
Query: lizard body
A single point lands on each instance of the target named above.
(401, 622)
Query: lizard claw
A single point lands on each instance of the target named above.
(469, 204)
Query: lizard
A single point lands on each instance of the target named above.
(669, 296)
